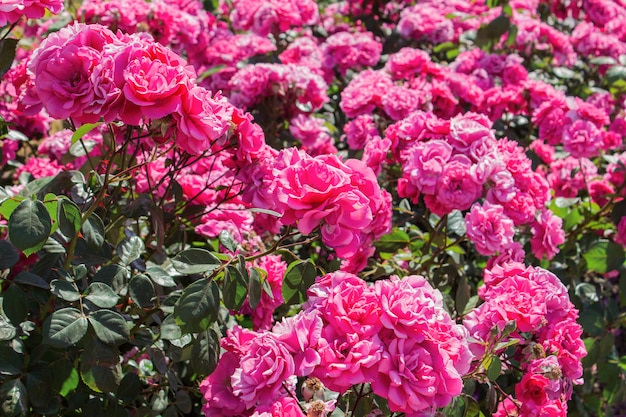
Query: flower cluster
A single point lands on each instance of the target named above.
(342, 198)
(545, 334)
(88, 73)
(395, 335)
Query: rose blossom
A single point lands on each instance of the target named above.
(263, 369)
(547, 235)
(488, 228)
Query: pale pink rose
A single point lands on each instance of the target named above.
(264, 368)
(488, 228)
(201, 120)
(233, 218)
(310, 131)
(37, 167)
(547, 235)
(582, 139)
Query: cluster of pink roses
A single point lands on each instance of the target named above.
(394, 335)
(546, 333)
(342, 198)
(87, 73)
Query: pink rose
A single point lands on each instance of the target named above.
(156, 80)
(425, 164)
(74, 77)
(582, 139)
(457, 188)
(416, 377)
(488, 228)
(217, 392)
(547, 235)
(301, 334)
(265, 366)
(352, 308)
(201, 120)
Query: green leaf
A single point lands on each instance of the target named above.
(235, 288)
(29, 226)
(393, 241)
(604, 256)
(7, 54)
(226, 239)
(69, 218)
(494, 369)
(114, 276)
(9, 256)
(11, 362)
(51, 202)
(615, 73)
(28, 278)
(65, 290)
(563, 72)
(198, 306)
(183, 401)
(490, 34)
(13, 399)
(300, 275)
(7, 330)
(130, 388)
(14, 304)
(265, 211)
(195, 261)
(110, 327)
(93, 231)
(130, 249)
(100, 369)
(39, 386)
(170, 330)
(160, 277)
(64, 327)
(213, 70)
(101, 295)
(255, 291)
(83, 130)
(65, 377)
(141, 291)
(205, 351)
(462, 294)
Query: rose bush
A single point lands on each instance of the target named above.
(332, 208)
